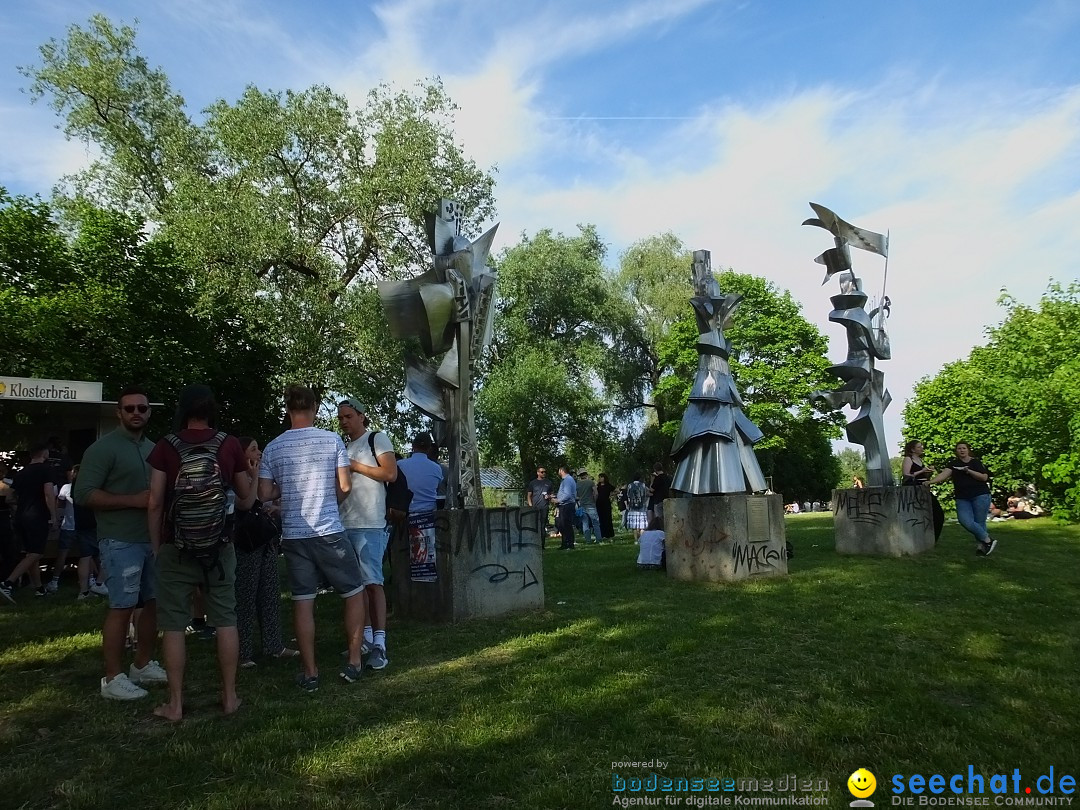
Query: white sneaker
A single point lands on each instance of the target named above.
(120, 688)
(99, 589)
(151, 673)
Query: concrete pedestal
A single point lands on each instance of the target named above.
(725, 538)
(487, 562)
(883, 521)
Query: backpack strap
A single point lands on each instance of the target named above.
(371, 444)
(217, 440)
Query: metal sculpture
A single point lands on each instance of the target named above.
(448, 309)
(714, 450)
(864, 385)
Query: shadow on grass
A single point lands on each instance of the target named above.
(917, 664)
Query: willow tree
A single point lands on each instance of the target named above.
(291, 203)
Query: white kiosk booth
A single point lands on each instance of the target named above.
(33, 410)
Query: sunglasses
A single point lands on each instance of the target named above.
(133, 408)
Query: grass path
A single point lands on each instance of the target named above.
(918, 665)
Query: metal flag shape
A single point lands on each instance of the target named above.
(448, 309)
(838, 259)
(864, 386)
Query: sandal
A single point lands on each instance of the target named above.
(286, 652)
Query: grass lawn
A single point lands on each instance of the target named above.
(919, 665)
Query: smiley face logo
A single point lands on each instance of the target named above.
(861, 783)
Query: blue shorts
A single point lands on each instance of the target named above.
(309, 559)
(130, 573)
(370, 545)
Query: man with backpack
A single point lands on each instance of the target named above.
(191, 471)
(373, 465)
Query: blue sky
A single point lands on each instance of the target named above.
(954, 125)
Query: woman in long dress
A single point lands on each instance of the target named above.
(603, 506)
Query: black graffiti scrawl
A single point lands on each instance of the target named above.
(861, 506)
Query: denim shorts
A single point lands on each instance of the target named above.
(130, 573)
(179, 575)
(370, 545)
(67, 541)
(330, 557)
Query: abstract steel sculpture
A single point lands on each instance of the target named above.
(864, 386)
(448, 308)
(714, 450)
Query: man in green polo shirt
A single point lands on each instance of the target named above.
(114, 481)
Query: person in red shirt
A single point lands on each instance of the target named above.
(179, 574)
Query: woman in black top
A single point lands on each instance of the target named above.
(915, 471)
(914, 468)
(970, 478)
(603, 506)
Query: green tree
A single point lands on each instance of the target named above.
(289, 204)
(90, 304)
(852, 462)
(1015, 400)
(548, 388)
(654, 276)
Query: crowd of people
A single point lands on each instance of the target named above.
(582, 504)
(188, 531)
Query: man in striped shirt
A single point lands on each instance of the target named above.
(308, 469)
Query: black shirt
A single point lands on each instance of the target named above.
(967, 487)
(660, 486)
(29, 485)
(540, 487)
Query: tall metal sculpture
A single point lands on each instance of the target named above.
(864, 385)
(714, 450)
(448, 308)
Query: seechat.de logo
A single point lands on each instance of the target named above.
(861, 784)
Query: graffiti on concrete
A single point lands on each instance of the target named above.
(756, 558)
(501, 574)
(861, 506)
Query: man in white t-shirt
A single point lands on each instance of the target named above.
(373, 465)
(308, 469)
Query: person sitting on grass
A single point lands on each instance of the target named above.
(1021, 506)
(651, 555)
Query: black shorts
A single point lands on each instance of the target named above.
(34, 531)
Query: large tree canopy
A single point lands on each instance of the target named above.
(1016, 400)
(554, 367)
(283, 201)
(654, 276)
(91, 305)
